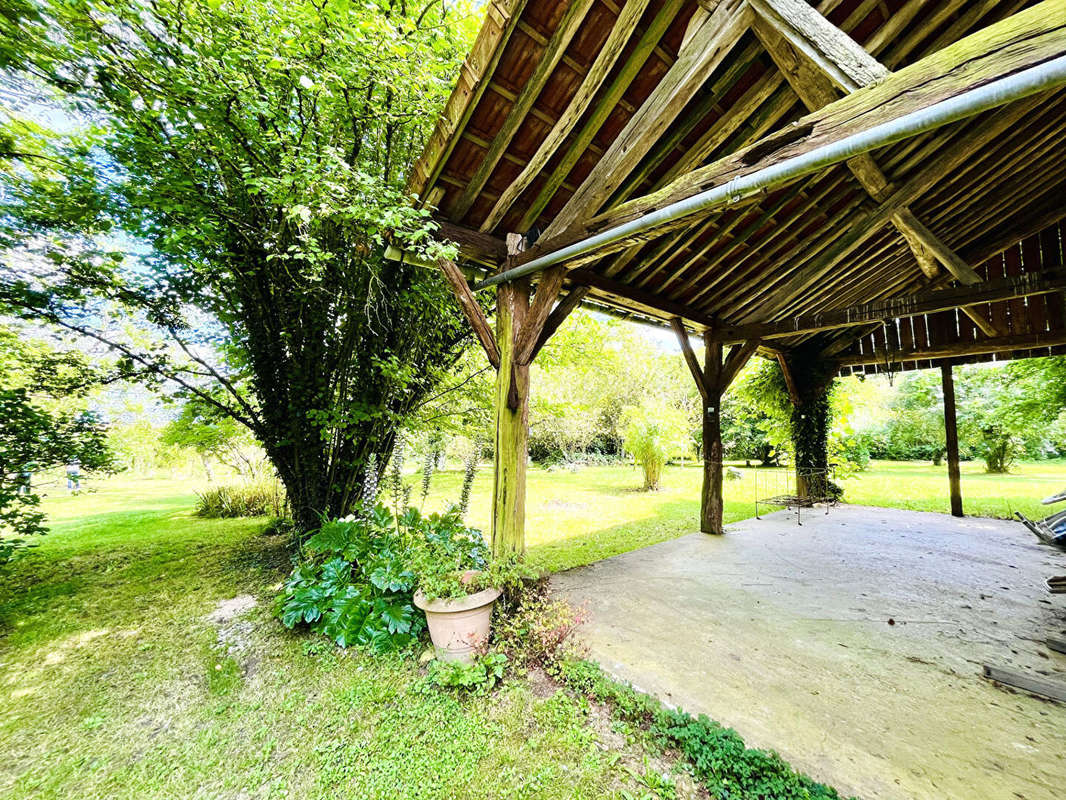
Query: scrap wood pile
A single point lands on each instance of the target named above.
(1051, 530)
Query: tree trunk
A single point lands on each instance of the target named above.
(812, 378)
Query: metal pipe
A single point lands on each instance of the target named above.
(1036, 79)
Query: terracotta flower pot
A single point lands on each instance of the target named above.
(459, 626)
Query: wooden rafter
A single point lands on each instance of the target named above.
(828, 56)
(593, 80)
(554, 50)
(1023, 40)
(474, 76)
(708, 46)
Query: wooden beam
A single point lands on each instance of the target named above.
(474, 245)
(961, 271)
(790, 379)
(811, 78)
(474, 75)
(702, 53)
(739, 355)
(551, 282)
(1003, 344)
(1056, 690)
(1026, 285)
(558, 316)
(1023, 40)
(471, 310)
(951, 438)
(835, 53)
(690, 357)
(653, 301)
(612, 49)
(553, 53)
(711, 500)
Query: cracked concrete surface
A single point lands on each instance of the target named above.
(852, 645)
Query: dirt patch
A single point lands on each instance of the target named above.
(228, 610)
(236, 636)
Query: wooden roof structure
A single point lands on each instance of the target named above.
(572, 117)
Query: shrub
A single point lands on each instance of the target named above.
(354, 585)
(535, 630)
(653, 434)
(253, 499)
(357, 576)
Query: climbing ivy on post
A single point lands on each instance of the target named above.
(809, 377)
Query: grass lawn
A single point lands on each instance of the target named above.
(113, 683)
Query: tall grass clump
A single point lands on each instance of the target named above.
(260, 498)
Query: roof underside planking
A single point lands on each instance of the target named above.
(572, 115)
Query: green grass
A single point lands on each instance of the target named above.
(112, 683)
(578, 517)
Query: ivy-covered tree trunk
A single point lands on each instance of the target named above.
(811, 381)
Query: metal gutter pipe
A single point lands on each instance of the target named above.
(1036, 79)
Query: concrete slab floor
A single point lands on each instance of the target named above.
(853, 645)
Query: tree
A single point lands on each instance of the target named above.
(212, 435)
(40, 429)
(654, 432)
(230, 190)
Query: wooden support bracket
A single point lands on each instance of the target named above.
(471, 310)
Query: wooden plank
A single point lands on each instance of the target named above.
(553, 53)
(935, 352)
(707, 48)
(690, 357)
(1053, 690)
(835, 53)
(612, 49)
(471, 310)
(908, 306)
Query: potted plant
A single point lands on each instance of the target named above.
(458, 584)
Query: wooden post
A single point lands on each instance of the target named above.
(512, 424)
(951, 437)
(711, 503)
(712, 380)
